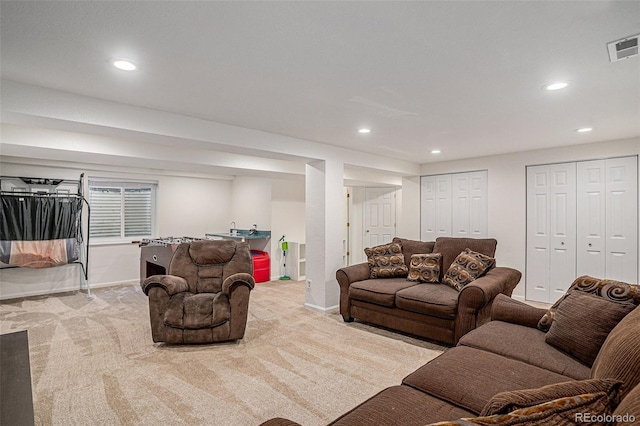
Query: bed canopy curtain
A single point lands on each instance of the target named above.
(40, 224)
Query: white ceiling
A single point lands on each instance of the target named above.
(463, 77)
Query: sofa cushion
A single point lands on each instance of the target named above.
(565, 411)
(425, 268)
(386, 261)
(469, 377)
(400, 405)
(619, 356)
(381, 291)
(616, 291)
(524, 344)
(451, 247)
(505, 402)
(583, 322)
(436, 300)
(411, 247)
(466, 267)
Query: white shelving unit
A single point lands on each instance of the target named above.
(296, 261)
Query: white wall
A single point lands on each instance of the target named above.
(251, 202)
(192, 207)
(507, 191)
(287, 218)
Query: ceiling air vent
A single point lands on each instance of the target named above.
(623, 48)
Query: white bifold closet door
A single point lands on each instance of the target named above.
(608, 219)
(454, 205)
(551, 230)
(582, 219)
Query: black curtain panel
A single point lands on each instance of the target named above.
(35, 218)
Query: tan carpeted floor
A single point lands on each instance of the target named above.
(93, 362)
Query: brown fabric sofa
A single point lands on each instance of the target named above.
(205, 296)
(503, 361)
(434, 311)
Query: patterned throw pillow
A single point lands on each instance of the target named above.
(425, 268)
(386, 261)
(615, 291)
(504, 402)
(570, 410)
(582, 323)
(468, 266)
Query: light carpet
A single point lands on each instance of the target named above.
(93, 362)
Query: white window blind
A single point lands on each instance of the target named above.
(121, 209)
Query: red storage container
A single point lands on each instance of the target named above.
(261, 266)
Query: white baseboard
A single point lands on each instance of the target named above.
(321, 309)
(61, 289)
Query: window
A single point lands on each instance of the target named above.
(121, 209)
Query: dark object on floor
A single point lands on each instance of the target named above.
(16, 402)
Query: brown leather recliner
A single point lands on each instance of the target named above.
(205, 296)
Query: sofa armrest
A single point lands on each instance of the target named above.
(506, 309)
(352, 274)
(170, 283)
(345, 276)
(240, 278)
(479, 294)
(486, 288)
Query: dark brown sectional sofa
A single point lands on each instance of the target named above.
(506, 364)
(434, 311)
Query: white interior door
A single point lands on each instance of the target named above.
(621, 176)
(591, 187)
(379, 216)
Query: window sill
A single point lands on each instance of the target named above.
(111, 243)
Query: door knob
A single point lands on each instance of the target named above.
(562, 243)
(367, 230)
(589, 244)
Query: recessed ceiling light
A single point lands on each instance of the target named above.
(435, 151)
(557, 85)
(123, 64)
(584, 130)
(364, 130)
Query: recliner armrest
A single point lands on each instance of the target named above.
(240, 278)
(170, 283)
(507, 309)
